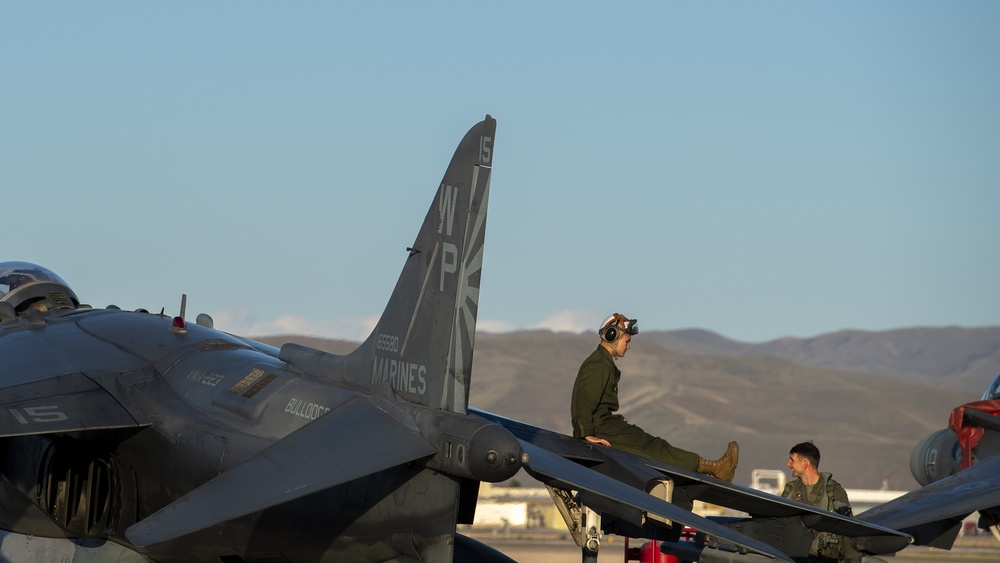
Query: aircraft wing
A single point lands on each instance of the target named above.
(566, 474)
(304, 462)
(760, 504)
(66, 403)
(932, 514)
(634, 472)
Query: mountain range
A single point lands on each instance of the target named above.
(959, 358)
(864, 398)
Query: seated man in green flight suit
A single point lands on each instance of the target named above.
(595, 400)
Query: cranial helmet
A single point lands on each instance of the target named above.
(616, 325)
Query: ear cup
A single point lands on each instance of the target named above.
(611, 334)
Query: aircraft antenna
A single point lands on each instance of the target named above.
(178, 324)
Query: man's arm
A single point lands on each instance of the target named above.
(587, 393)
(596, 440)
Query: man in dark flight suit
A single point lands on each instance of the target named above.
(595, 400)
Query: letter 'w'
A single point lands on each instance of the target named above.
(446, 207)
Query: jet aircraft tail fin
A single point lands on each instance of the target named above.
(422, 344)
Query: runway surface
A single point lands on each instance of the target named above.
(565, 551)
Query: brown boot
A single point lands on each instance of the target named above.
(723, 468)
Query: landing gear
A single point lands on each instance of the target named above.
(583, 523)
(592, 536)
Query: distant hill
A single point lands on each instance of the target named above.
(966, 359)
(699, 390)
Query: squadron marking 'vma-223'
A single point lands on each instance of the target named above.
(129, 436)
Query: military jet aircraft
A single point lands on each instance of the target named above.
(131, 436)
(128, 435)
(940, 455)
(959, 468)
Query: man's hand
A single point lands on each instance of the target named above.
(596, 440)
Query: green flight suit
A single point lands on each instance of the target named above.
(830, 495)
(595, 400)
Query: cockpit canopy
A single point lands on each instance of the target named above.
(994, 391)
(23, 285)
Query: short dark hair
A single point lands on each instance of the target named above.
(807, 450)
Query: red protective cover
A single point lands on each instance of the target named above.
(969, 436)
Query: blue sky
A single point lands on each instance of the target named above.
(760, 169)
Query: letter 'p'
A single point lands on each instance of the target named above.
(449, 261)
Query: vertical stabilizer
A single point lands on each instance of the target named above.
(422, 344)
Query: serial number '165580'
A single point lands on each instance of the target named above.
(387, 342)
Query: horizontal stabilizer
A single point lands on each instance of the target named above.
(546, 466)
(950, 499)
(352, 441)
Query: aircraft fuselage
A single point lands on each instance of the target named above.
(193, 404)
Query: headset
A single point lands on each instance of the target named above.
(616, 325)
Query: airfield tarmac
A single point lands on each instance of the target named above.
(565, 551)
